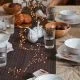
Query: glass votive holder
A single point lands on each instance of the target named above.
(49, 35)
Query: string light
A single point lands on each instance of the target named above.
(37, 58)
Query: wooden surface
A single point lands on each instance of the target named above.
(68, 70)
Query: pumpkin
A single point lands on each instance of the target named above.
(22, 19)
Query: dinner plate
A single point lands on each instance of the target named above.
(74, 20)
(48, 77)
(63, 54)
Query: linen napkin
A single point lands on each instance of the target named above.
(38, 73)
(9, 47)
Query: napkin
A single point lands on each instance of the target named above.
(38, 73)
(9, 47)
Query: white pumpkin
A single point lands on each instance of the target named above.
(32, 36)
(39, 30)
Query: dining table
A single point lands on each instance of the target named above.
(66, 68)
(27, 57)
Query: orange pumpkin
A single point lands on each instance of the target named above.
(22, 19)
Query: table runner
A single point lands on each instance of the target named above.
(23, 61)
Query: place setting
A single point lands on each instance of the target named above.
(5, 45)
(6, 30)
(43, 74)
(68, 16)
(69, 50)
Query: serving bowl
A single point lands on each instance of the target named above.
(73, 45)
(48, 77)
(61, 28)
(16, 7)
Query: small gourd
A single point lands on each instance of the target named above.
(39, 30)
(32, 36)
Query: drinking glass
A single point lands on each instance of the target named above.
(49, 37)
(3, 54)
(24, 3)
(9, 23)
(50, 14)
(2, 24)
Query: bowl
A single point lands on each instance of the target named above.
(67, 14)
(48, 77)
(61, 28)
(63, 31)
(12, 10)
(73, 45)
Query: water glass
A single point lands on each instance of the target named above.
(49, 37)
(50, 14)
(3, 54)
(9, 23)
(2, 24)
(24, 4)
(17, 1)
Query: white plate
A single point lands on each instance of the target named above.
(48, 77)
(74, 20)
(63, 54)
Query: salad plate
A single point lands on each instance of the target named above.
(62, 53)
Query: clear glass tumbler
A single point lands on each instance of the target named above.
(50, 14)
(49, 37)
(3, 54)
(9, 23)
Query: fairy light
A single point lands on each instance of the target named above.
(36, 58)
(22, 38)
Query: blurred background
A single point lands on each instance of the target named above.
(67, 2)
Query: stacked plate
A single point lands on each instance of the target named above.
(68, 16)
(70, 50)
